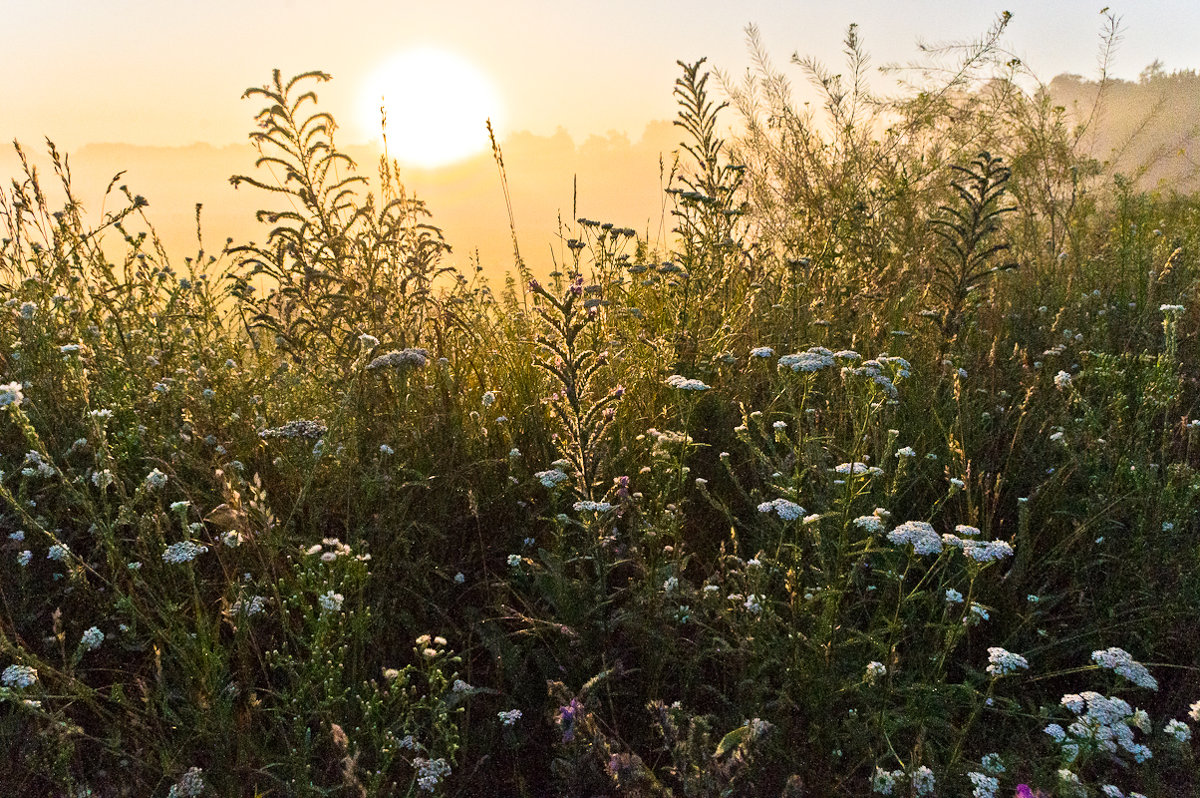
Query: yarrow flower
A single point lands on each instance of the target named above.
(590, 506)
(306, 430)
(1004, 662)
(58, 552)
(953, 596)
(907, 451)
(330, 601)
(1106, 723)
(875, 671)
(920, 534)
(1179, 730)
(788, 511)
(509, 717)
(1120, 662)
(430, 772)
(851, 468)
(18, 676)
(815, 359)
(992, 763)
(1062, 380)
(752, 603)
(92, 639)
(684, 384)
(551, 478)
(190, 785)
(762, 351)
(985, 785)
(871, 524)
(884, 781)
(922, 781)
(156, 479)
(183, 551)
(11, 394)
(417, 358)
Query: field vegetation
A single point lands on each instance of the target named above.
(880, 476)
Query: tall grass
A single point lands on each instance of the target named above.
(881, 478)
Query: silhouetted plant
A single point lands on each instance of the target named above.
(338, 265)
(972, 235)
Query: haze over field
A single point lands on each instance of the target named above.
(587, 96)
(1147, 129)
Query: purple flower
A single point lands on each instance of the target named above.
(566, 719)
(534, 285)
(622, 484)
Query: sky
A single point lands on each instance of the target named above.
(583, 90)
(171, 73)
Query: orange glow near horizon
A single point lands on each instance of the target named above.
(437, 103)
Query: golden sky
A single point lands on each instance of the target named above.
(576, 87)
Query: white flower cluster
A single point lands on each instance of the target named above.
(330, 601)
(855, 469)
(156, 479)
(885, 781)
(399, 359)
(18, 676)
(183, 551)
(871, 524)
(551, 478)
(1004, 662)
(762, 351)
(982, 551)
(190, 785)
(922, 781)
(814, 359)
(1120, 662)
(58, 552)
(1062, 380)
(509, 717)
(788, 511)
(252, 605)
(590, 506)
(430, 772)
(907, 451)
(684, 384)
(1179, 730)
(875, 671)
(985, 785)
(92, 639)
(753, 603)
(1106, 723)
(920, 534)
(37, 465)
(11, 394)
(305, 430)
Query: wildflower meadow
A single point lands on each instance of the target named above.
(876, 475)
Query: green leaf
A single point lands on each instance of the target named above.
(731, 741)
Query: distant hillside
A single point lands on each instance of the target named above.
(1147, 129)
(612, 178)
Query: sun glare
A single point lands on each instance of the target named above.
(437, 105)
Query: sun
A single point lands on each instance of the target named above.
(437, 104)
